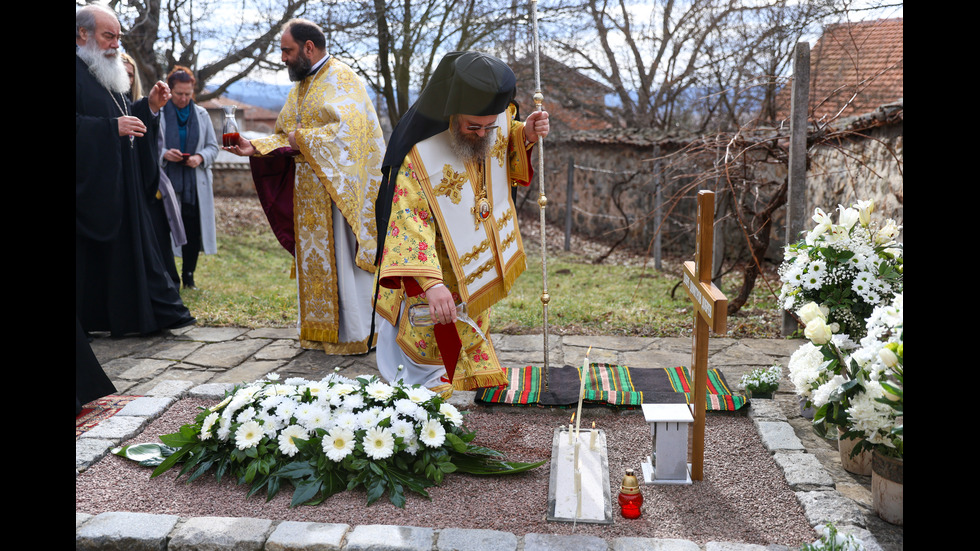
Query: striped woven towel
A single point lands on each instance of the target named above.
(608, 384)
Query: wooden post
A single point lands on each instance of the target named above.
(710, 313)
(658, 203)
(569, 198)
(796, 192)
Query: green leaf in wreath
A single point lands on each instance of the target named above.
(305, 491)
(169, 462)
(147, 455)
(456, 442)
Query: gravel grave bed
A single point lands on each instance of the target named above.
(743, 497)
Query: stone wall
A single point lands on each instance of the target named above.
(614, 182)
(860, 168)
(610, 183)
(232, 180)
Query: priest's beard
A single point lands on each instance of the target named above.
(109, 71)
(469, 147)
(299, 69)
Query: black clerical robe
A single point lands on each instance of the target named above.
(121, 285)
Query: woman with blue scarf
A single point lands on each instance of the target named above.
(190, 148)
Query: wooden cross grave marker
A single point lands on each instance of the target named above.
(710, 313)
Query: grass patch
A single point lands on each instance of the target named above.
(616, 300)
(247, 284)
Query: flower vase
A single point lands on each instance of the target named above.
(860, 463)
(888, 488)
(806, 412)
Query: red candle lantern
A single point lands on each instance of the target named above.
(630, 498)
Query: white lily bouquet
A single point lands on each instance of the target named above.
(847, 268)
(326, 436)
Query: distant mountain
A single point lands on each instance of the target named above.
(260, 94)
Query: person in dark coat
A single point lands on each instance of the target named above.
(121, 285)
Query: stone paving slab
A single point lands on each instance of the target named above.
(306, 536)
(213, 533)
(458, 539)
(378, 537)
(125, 532)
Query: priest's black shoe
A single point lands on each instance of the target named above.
(189, 281)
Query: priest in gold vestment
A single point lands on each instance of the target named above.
(317, 177)
(449, 226)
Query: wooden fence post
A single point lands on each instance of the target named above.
(796, 194)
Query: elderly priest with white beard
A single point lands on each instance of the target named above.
(121, 285)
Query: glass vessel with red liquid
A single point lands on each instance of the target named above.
(630, 498)
(229, 130)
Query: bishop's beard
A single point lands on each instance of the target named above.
(108, 70)
(469, 147)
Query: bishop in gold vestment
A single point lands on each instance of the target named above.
(451, 236)
(326, 153)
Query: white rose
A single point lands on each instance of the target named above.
(888, 357)
(818, 331)
(811, 311)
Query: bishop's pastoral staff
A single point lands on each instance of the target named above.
(317, 177)
(448, 223)
(121, 284)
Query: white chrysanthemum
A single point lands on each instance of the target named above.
(224, 428)
(413, 446)
(286, 409)
(347, 420)
(433, 434)
(806, 368)
(378, 443)
(272, 376)
(270, 423)
(379, 391)
(406, 407)
(319, 418)
(248, 435)
(338, 443)
(822, 395)
(812, 281)
(369, 417)
(452, 414)
(286, 443)
(303, 411)
(403, 429)
(419, 395)
(246, 414)
(353, 401)
(295, 381)
(270, 402)
(871, 417)
(208, 424)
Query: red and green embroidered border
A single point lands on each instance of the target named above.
(615, 385)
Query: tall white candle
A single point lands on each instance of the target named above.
(581, 390)
(592, 437)
(578, 493)
(570, 426)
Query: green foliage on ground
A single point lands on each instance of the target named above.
(247, 284)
